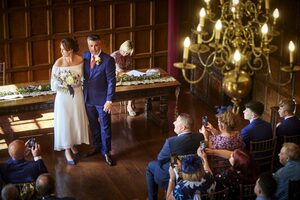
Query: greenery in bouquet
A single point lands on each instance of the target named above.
(127, 78)
(68, 80)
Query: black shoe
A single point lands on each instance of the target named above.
(108, 160)
(91, 153)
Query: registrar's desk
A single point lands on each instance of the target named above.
(123, 93)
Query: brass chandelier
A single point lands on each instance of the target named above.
(239, 45)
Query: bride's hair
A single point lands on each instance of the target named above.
(70, 44)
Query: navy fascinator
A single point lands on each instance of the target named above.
(191, 164)
(221, 109)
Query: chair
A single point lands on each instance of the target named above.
(263, 153)
(247, 192)
(2, 73)
(218, 195)
(294, 190)
(27, 190)
(294, 139)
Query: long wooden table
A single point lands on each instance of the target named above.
(123, 93)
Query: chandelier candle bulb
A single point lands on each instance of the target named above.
(199, 36)
(202, 14)
(275, 15)
(291, 50)
(186, 44)
(218, 27)
(237, 57)
(264, 30)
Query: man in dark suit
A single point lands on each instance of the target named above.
(99, 88)
(18, 170)
(258, 129)
(45, 186)
(157, 172)
(290, 125)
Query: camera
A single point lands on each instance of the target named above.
(31, 142)
(202, 145)
(204, 120)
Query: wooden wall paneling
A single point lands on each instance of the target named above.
(56, 49)
(41, 74)
(160, 62)
(103, 16)
(19, 77)
(17, 24)
(122, 14)
(40, 52)
(18, 54)
(215, 93)
(81, 18)
(82, 44)
(106, 42)
(142, 13)
(60, 20)
(142, 42)
(15, 4)
(37, 2)
(38, 22)
(161, 11)
(141, 63)
(161, 39)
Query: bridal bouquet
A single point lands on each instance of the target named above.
(68, 80)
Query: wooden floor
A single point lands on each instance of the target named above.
(135, 142)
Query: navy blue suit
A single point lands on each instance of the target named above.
(99, 87)
(257, 130)
(157, 172)
(288, 127)
(21, 171)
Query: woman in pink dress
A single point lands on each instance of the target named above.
(123, 61)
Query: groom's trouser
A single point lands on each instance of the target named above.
(100, 125)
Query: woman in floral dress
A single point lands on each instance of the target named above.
(70, 119)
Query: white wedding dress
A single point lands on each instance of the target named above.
(70, 119)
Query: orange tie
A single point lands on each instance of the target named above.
(92, 62)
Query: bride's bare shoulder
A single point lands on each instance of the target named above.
(78, 59)
(58, 62)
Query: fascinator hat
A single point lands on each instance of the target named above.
(191, 164)
(222, 109)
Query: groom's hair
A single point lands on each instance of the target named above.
(93, 37)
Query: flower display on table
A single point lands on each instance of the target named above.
(68, 80)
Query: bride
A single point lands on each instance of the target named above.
(70, 119)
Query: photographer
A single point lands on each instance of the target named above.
(19, 170)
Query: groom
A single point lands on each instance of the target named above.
(99, 88)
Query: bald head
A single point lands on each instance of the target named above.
(16, 149)
(45, 184)
(10, 192)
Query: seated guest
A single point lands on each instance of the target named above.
(10, 192)
(243, 170)
(18, 170)
(224, 138)
(45, 186)
(290, 125)
(265, 187)
(197, 179)
(186, 142)
(289, 157)
(258, 129)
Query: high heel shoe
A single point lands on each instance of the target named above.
(70, 162)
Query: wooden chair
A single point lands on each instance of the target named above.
(263, 153)
(294, 190)
(294, 139)
(247, 192)
(218, 195)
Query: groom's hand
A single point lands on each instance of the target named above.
(107, 106)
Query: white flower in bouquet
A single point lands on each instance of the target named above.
(97, 60)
